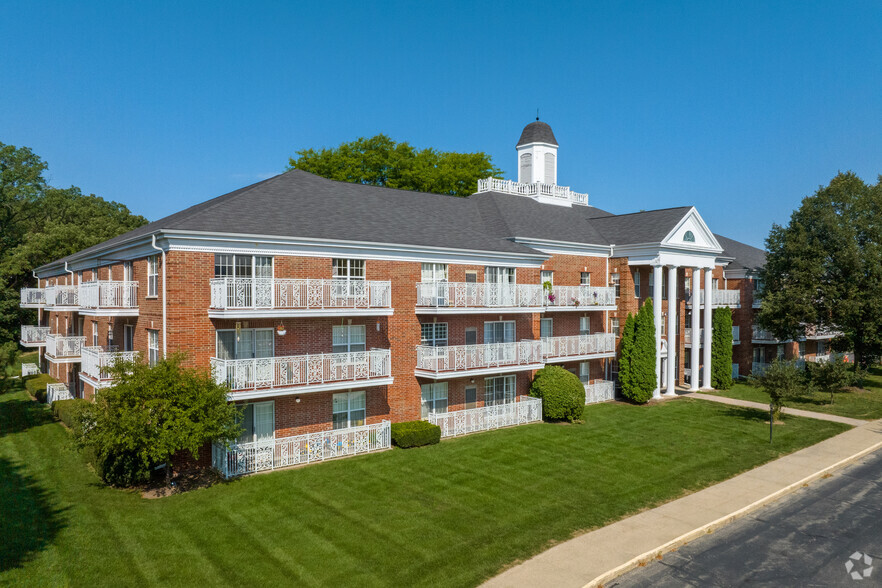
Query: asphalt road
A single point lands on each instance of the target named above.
(804, 539)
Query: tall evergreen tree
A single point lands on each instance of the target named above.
(627, 343)
(644, 360)
(721, 351)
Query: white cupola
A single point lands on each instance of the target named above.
(537, 154)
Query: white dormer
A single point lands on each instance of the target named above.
(537, 154)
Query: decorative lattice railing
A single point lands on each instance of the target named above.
(478, 295)
(33, 297)
(272, 293)
(62, 295)
(599, 391)
(578, 345)
(57, 392)
(29, 369)
(110, 295)
(462, 422)
(720, 298)
(32, 335)
(97, 361)
(579, 297)
(472, 357)
(60, 347)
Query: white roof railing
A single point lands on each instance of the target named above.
(534, 190)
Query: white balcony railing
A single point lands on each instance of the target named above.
(33, 336)
(462, 422)
(272, 293)
(578, 345)
(599, 391)
(535, 189)
(59, 347)
(721, 298)
(62, 295)
(455, 358)
(245, 458)
(580, 297)
(302, 370)
(57, 392)
(109, 295)
(97, 361)
(478, 295)
(33, 297)
(687, 336)
(29, 369)
(763, 335)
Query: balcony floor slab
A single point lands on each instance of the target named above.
(245, 313)
(477, 372)
(584, 357)
(308, 388)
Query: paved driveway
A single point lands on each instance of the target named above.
(805, 539)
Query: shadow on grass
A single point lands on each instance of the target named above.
(20, 415)
(28, 520)
(747, 414)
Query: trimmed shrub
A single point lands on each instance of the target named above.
(415, 434)
(562, 393)
(69, 411)
(36, 385)
(721, 350)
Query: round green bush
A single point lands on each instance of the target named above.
(562, 394)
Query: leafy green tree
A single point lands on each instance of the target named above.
(721, 351)
(152, 413)
(831, 376)
(39, 223)
(825, 268)
(380, 161)
(782, 381)
(8, 355)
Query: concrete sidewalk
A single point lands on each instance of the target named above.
(786, 410)
(599, 556)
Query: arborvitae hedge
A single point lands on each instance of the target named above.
(637, 361)
(562, 393)
(415, 434)
(627, 343)
(721, 350)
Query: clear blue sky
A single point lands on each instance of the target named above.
(739, 108)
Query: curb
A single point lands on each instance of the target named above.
(659, 551)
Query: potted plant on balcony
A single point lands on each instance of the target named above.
(595, 298)
(546, 286)
(575, 301)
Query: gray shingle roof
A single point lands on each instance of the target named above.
(650, 226)
(746, 256)
(537, 132)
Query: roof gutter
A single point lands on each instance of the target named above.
(164, 297)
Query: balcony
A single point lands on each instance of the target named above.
(61, 297)
(57, 392)
(29, 369)
(580, 298)
(33, 298)
(578, 347)
(687, 336)
(97, 362)
(763, 336)
(274, 376)
(109, 298)
(453, 361)
(64, 349)
(522, 411)
(599, 391)
(537, 190)
(730, 298)
(476, 298)
(272, 297)
(32, 336)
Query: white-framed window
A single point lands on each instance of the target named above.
(433, 334)
(614, 325)
(128, 337)
(349, 410)
(499, 332)
(584, 325)
(244, 343)
(153, 275)
(546, 327)
(636, 284)
(687, 285)
(546, 276)
(433, 272)
(128, 273)
(471, 277)
(94, 333)
(585, 372)
(499, 390)
(348, 269)
(258, 422)
(152, 346)
(499, 275)
(615, 281)
(434, 398)
(802, 350)
(80, 277)
(348, 338)
(715, 282)
(585, 278)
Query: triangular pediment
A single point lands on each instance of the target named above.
(691, 232)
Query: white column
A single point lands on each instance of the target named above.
(708, 313)
(657, 316)
(672, 330)
(696, 328)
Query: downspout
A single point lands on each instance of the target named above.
(164, 298)
(71, 274)
(607, 373)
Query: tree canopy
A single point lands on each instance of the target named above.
(824, 268)
(381, 161)
(39, 223)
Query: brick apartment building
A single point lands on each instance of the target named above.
(332, 306)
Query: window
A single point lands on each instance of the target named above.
(471, 336)
(434, 272)
(546, 276)
(153, 275)
(129, 338)
(664, 285)
(499, 390)
(652, 281)
(471, 397)
(687, 285)
(94, 333)
(258, 422)
(758, 355)
(735, 374)
(780, 351)
(349, 410)
(80, 277)
(584, 325)
(152, 346)
(549, 168)
(636, 284)
(434, 398)
(585, 372)
(802, 350)
(545, 327)
(499, 275)
(715, 282)
(585, 278)
(127, 271)
(471, 277)
(614, 278)
(348, 338)
(757, 285)
(688, 237)
(244, 343)
(736, 333)
(526, 171)
(822, 348)
(499, 332)
(614, 325)
(434, 334)
(348, 269)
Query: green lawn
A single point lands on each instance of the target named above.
(27, 357)
(452, 514)
(858, 404)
